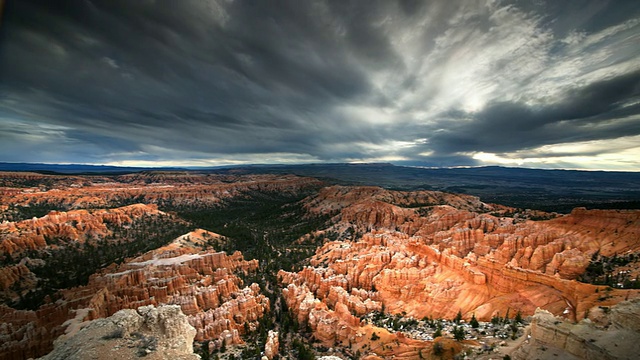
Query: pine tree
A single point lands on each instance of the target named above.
(438, 349)
(458, 333)
(518, 317)
(495, 320)
(506, 317)
(458, 317)
(438, 331)
(474, 322)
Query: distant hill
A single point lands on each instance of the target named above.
(73, 168)
(550, 190)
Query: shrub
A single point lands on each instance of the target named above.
(438, 349)
(115, 334)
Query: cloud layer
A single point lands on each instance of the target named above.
(544, 84)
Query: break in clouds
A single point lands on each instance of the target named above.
(439, 83)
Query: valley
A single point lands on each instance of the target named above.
(298, 267)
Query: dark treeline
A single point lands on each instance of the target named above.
(274, 229)
(606, 270)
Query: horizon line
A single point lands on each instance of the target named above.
(204, 167)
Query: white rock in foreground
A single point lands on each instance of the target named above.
(155, 333)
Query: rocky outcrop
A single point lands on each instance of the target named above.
(13, 278)
(336, 198)
(155, 333)
(610, 336)
(272, 345)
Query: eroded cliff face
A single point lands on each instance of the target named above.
(202, 282)
(612, 334)
(25, 245)
(436, 260)
(162, 188)
(337, 198)
(72, 226)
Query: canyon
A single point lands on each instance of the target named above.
(363, 250)
(455, 256)
(201, 281)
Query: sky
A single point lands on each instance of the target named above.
(531, 83)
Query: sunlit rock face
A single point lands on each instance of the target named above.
(457, 255)
(73, 226)
(272, 344)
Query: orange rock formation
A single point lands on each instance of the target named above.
(181, 189)
(76, 225)
(202, 282)
(450, 256)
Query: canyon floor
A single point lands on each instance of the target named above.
(292, 267)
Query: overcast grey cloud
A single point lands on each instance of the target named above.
(446, 83)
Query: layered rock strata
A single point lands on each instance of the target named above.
(166, 189)
(202, 282)
(436, 260)
(73, 226)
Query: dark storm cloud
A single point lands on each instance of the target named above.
(596, 111)
(243, 81)
(585, 15)
(167, 66)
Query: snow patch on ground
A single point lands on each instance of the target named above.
(168, 261)
(119, 273)
(75, 324)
